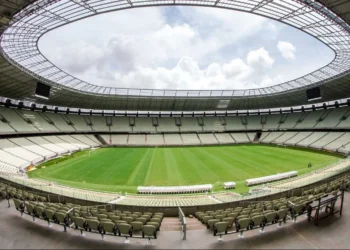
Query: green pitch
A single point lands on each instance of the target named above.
(123, 169)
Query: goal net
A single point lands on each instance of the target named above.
(281, 146)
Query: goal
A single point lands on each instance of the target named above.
(281, 146)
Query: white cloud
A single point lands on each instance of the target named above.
(187, 74)
(260, 58)
(287, 50)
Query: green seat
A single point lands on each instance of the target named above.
(61, 218)
(136, 225)
(243, 224)
(229, 221)
(124, 229)
(142, 220)
(233, 215)
(282, 214)
(93, 225)
(80, 223)
(206, 218)
(210, 223)
(158, 217)
(19, 205)
(155, 224)
(156, 220)
(108, 227)
(220, 217)
(137, 213)
(30, 208)
(149, 231)
(270, 217)
(127, 212)
(113, 218)
(146, 216)
(128, 219)
(102, 216)
(220, 228)
(241, 217)
(120, 222)
(258, 220)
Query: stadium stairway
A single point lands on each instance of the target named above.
(173, 224)
(101, 140)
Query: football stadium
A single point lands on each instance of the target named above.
(174, 124)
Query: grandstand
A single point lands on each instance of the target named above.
(167, 143)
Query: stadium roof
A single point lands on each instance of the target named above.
(324, 20)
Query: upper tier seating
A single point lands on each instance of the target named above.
(59, 122)
(234, 123)
(213, 124)
(309, 119)
(37, 119)
(189, 124)
(143, 124)
(332, 119)
(254, 122)
(272, 121)
(290, 121)
(99, 123)
(25, 121)
(167, 124)
(16, 121)
(78, 121)
(120, 124)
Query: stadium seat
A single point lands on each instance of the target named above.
(211, 222)
(108, 227)
(220, 228)
(93, 225)
(136, 225)
(125, 230)
(243, 224)
(149, 231)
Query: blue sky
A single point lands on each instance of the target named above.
(183, 48)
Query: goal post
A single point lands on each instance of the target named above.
(281, 146)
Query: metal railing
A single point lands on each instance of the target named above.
(182, 219)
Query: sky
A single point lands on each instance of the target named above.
(189, 48)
